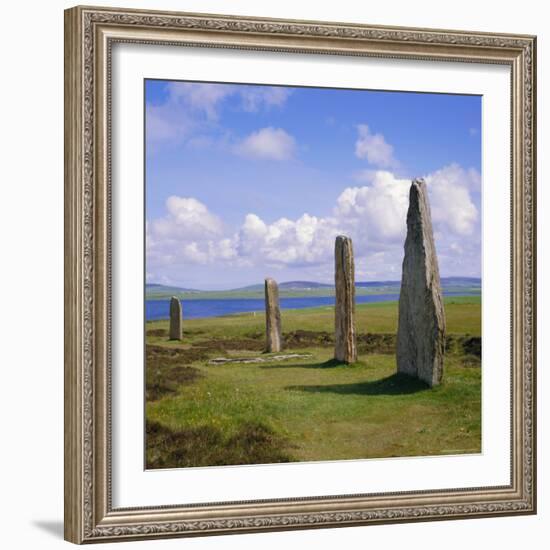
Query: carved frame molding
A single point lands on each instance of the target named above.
(89, 35)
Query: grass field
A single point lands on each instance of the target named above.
(307, 408)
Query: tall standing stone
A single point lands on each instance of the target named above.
(421, 328)
(175, 319)
(344, 319)
(272, 316)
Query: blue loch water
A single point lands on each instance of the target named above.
(194, 309)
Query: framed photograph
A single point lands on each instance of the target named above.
(300, 274)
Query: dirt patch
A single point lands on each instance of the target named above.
(232, 344)
(165, 381)
(163, 333)
(307, 338)
(192, 332)
(254, 443)
(166, 371)
(376, 343)
(471, 361)
(467, 345)
(472, 346)
(256, 335)
(166, 355)
(366, 343)
(384, 343)
(157, 332)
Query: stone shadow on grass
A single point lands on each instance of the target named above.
(330, 364)
(396, 384)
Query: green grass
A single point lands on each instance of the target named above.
(463, 317)
(201, 414)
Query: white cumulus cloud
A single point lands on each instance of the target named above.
(186, 217)
(307, 240)
(372, 214)
(377, 210)
(204, 97)
(451, 203)
(188, 233)
(256, 98)
(268, 143)
(374, 148)
(193, 107)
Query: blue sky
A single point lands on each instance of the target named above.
(245, 181)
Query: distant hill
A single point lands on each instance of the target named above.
(298, 285)
(445, 281)
(303, 288)
(466, 281)
(288, 285)
(376, 284)
(309, 285)
(152, 289)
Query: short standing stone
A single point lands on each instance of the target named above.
(421, 327)
(175, 319)
(272, 316)
(345, 348)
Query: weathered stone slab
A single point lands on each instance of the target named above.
(421, 326)
(175, 331)
(345, 349)
(270, 359)
(272, 317)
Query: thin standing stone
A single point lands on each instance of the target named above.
(345, 349)
(272, 317)
(421, 327)
(175, 319)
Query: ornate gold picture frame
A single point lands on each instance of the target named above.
(90, 34)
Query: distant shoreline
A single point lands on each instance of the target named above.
(157, 309)
(159, 293)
